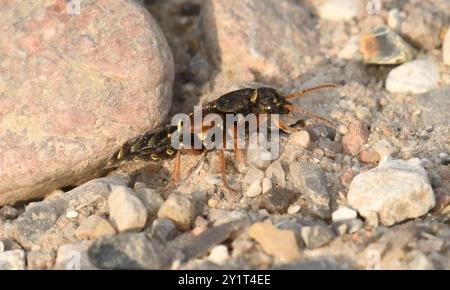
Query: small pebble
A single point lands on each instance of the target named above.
(127, 212)
(357, 136)
(253, 175)
(300, 138)
(369, 156)
(294, 208)
(8, 213)
(279, 243)
(219, 254)
(2, 247)
(72, 214)
(344, 213)
(254, 190)
(417, 77)
(394, 19)
(94, 227)
(212, 202)
(180, 209)
(383, 148)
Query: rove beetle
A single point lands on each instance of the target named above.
(156, 145)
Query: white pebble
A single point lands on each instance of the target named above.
(72, 214)
(294, 208)
(343, 214)
(219, 254)
(2, 247)
(417, 77)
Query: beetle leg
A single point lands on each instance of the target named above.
(280, 124)
(307, 90)
(321, 119)
(176, 170)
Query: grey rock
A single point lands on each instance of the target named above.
(38, 222)
(203, 243)
(316, 236)
(151, 200)
(164, 230)
(74, 257)
(130, 251)
(253, 175)
(309, 179)
(276, 173)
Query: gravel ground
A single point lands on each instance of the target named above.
(372, 194)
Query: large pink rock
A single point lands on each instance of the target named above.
(73, 88)
(248, 39)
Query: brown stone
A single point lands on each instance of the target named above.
(369, 156)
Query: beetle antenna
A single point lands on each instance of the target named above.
(321, 119)
(307, 90)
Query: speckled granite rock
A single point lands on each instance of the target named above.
(73, 88)
(263, 42)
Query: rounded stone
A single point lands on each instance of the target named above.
(417, 77)
(73, 88)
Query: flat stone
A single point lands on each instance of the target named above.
(130, 251)
(396, 190)
(180, 209)
(384, 46)
(254, 48)
(316, 236)
(417, 77)
(12, 260)
(278, 243)
(127, 213)
(384, 148)
(74, 88)
(309, 179)
(93, 228)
